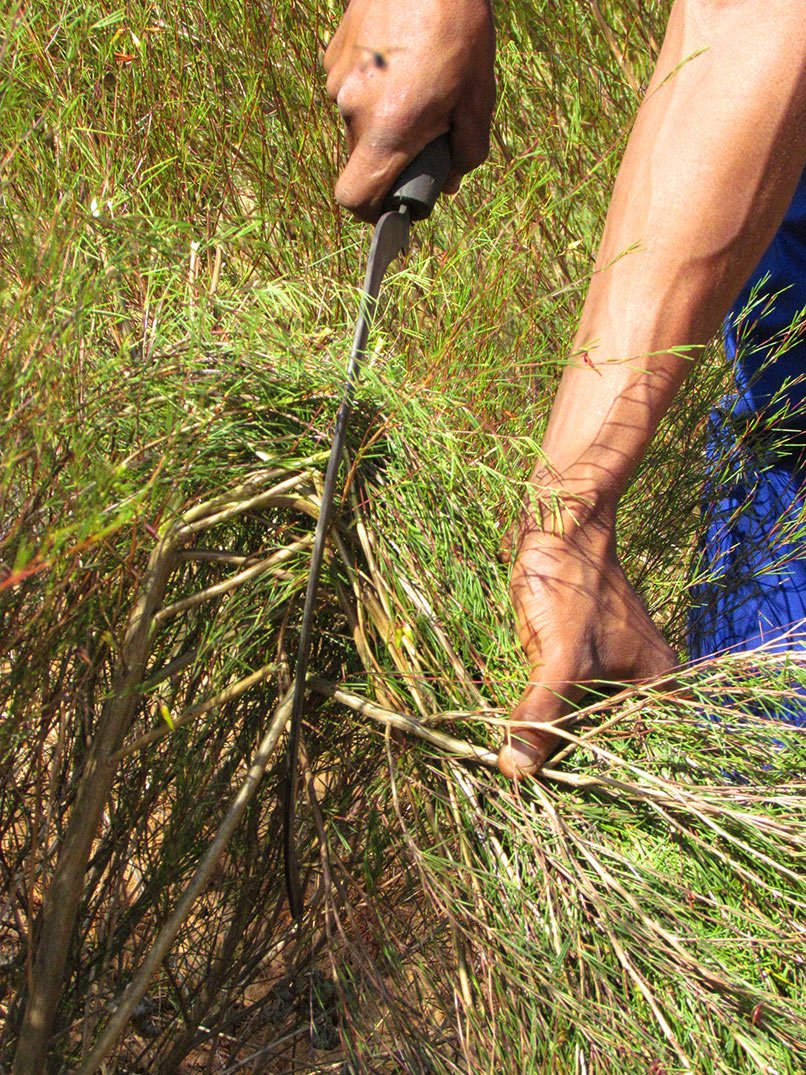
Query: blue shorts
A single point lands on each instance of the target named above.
(753, 548)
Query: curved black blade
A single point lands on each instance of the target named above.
(390, 238)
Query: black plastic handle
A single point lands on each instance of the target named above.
(419, 185)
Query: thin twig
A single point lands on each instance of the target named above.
(198, 882)
(288, 552)
(63, 894)
(227, 695)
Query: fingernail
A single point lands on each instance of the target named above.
(521, 755)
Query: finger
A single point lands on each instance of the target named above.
(657, 668)
(338, 72)
(651, 656)
(368, 177)
(470, 135)
(374, 165)
(335, 51)
(655, 664)
(470, 142)
(529, 739)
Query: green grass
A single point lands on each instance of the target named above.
(178, 295)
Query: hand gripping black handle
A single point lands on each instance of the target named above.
(419, 185)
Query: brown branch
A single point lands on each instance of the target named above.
(138, 986)
(61, 901)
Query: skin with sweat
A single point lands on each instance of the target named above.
(712, 162)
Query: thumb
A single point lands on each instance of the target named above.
(367, 178)
(529, 739)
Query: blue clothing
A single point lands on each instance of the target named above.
(753, 549)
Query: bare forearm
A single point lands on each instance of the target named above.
(710, 167)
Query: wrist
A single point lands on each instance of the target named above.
(581, 500)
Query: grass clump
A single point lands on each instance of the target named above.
(177, 300)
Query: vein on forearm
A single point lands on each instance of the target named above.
(710, 167)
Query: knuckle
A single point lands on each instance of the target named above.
(353, 200)
(347, 100)
(333, 51)
(404, 116)
(345, 196)
(333, 84)
(398, 117)
(568, 665)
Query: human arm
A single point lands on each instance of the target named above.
(710, 167)
(403, 74)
